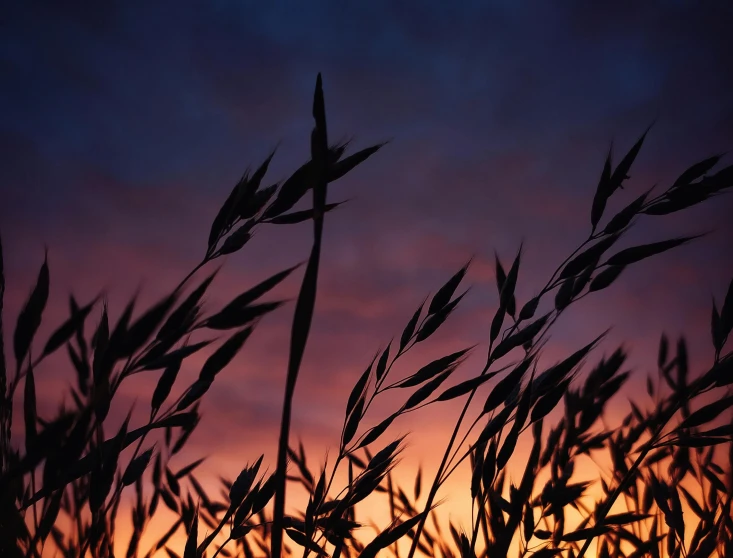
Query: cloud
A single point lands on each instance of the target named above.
(127, 128)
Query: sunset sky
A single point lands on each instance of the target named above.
(125, 125)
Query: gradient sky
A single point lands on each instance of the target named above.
(125, 124)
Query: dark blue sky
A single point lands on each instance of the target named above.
(125, 124)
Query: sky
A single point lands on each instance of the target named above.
(125, 125)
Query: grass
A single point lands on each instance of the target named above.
(668, 490)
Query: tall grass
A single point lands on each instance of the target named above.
(668, 492)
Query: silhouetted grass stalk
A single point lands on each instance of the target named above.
(304, 307)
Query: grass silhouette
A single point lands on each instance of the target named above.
(669, 458)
